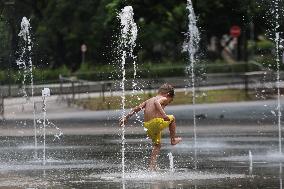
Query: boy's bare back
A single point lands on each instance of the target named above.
(154, 108)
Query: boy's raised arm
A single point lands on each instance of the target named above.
(133, 111)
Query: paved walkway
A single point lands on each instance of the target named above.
(17, 109)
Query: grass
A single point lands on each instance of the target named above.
(212, 96)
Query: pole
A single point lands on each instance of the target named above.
(83, 50)
(73, 92)
(83, 57)
(9, 74)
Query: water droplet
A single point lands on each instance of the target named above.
(273, 112)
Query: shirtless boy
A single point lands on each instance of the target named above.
(155, 120)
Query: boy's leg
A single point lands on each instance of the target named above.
(154, 156)
(172, 128)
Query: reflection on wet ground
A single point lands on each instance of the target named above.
(93, 161)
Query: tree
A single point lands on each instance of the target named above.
(60, 27)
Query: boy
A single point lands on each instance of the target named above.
(155, 120)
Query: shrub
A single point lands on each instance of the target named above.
(264, 46)
(50, 75)
(268, 61)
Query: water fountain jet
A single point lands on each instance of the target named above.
(45, 93)
(191, 47)
(171, 158)
(127, 44)
(277, 58)
(27, 66)
(250, 163)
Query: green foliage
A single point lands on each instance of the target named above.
(148, 70)
(50, 75)
(4, 43)
(89, 71)
(264, 46)
(231, 68)
(159, 70)
(268, 61)
(39, 75)
(60, 27)
(2, 76)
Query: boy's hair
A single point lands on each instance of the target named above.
(167, 89)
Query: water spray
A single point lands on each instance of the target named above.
(27, 67)
(191, 46)
(45, 93)
(127, 44)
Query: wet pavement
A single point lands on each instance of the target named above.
(88, 155)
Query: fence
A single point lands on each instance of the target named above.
(1, 106)
(71, 86)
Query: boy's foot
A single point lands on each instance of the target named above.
(175, 140)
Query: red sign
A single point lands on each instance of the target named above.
(235, 31)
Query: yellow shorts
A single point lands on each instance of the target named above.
(155, 126)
